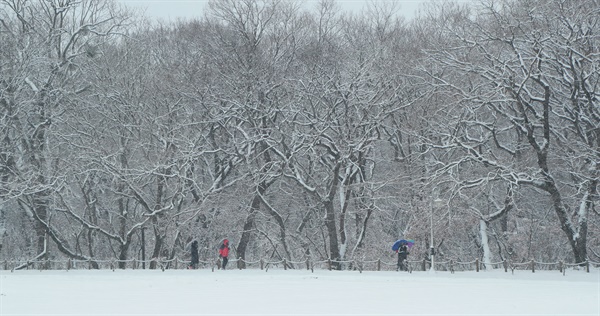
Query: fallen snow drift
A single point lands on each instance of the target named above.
(297, 292)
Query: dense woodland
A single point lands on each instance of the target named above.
(300, 131)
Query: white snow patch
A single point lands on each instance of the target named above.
(297, 292)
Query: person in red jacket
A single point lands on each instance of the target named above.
(224, 253)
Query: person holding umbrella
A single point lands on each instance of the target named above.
(401, 247)
(402, 254)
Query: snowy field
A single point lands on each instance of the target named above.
(298, 292)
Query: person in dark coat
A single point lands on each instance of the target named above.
(224, 253)
(195, 260)
(402, 254)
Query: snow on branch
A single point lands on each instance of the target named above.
(32, 85)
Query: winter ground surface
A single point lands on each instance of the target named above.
(297, 292)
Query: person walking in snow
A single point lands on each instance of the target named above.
(195, 260)
(224, 253)
(402, 254)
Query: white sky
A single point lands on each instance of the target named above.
(297, 292)
(173, 9)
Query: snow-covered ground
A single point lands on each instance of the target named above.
(297, 292)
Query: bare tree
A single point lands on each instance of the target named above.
(52, 41)
(527, 89)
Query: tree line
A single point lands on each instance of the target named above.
(300, 132)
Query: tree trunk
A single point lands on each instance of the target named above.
(249, 223)
(334, 250)
(282, 230)
(487, 254)
(123, 248)
(577, 239)
(40, 207)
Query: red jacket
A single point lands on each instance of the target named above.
(224, 249)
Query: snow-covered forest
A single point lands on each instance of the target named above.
(300, 132)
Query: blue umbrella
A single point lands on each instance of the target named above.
(408, 242)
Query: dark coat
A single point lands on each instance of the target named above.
(402, 253)
(195, 259)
